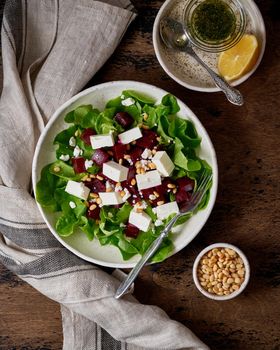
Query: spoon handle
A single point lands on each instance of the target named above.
(148, 254)
(233, 95)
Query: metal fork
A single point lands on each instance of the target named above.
(196, 197)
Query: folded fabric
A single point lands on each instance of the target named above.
(50, 50)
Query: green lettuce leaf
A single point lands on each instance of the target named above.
(139, 97)
(46, 188)
(66, 224)
(64, 136)
(89, 227)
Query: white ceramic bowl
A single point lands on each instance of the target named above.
(45, 153)
(194, 76)
(221, 297)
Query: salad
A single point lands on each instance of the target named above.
(122, 173)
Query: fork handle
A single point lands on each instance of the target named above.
(148, 254)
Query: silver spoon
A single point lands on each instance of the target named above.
(174, 37)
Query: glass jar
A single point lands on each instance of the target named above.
(214, 25)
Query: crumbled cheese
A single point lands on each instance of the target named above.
(128, 102)
(72, 141)
(88, 163)
(118, 188)
(72, 205)
(130, 162)
(152, 197)
(145, 163)
(141, 205)
(109, 186)
(127, 195)
(147, 153)
(77, 151)
(158, 222)
(64, 157)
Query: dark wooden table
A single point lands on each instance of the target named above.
(246, 212)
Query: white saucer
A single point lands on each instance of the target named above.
(192, 75)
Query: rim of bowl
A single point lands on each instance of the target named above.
(223, 45)
(157, 43)
(243, 285)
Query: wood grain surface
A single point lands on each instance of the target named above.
(246, 212)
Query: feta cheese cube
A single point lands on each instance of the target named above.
(163, 163)
(128, 101)
(140, 220)
(100, 141)
(77, 189)
(130, 135)
(164, 210)
(147, 180)
(115, 171)
(110, 198)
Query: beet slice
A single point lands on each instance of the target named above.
(135, 195)
(131, 231)
(96, 185)
(135, 154)
(100, 156)
(148, 140)
(131, 174)
(119, 150)
(79, 165)
(182, 196)
(185, 183)
(124, 119)
(86, 134)
(94, 214)
(149, 192)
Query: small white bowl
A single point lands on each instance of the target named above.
(221, 297)
(191, 75)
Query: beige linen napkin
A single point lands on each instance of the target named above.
(50, 49)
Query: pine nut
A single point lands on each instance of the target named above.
(171, 186)
(99, 177)
(56, 169)
(151, 165)
(92, 207)
(133, 182)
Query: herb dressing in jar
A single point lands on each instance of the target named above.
(213, 21)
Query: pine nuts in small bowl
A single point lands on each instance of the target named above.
(221, 271)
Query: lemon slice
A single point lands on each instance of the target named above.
(240, 59)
